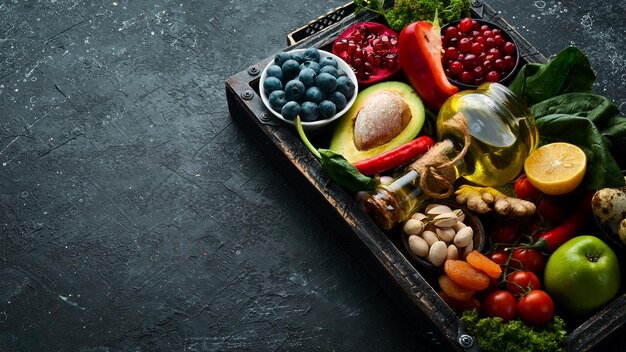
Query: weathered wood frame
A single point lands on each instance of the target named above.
(406, 285)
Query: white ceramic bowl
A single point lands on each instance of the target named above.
(314, 125)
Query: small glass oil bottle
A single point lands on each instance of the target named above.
(502, 133)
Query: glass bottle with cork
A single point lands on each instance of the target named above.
(485, 135)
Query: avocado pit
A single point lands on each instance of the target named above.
(381, 118)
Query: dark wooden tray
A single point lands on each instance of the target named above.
(407, 286)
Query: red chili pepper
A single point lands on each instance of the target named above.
(395, 157)
(420, 53)
(551, 240)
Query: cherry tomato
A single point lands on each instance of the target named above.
(525, 190)
(536, 308)
(501, 304)
(507, 233)
(550, 209)
(499, 257)
(529, 260)
(521, 282)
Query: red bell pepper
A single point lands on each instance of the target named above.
(420, 53)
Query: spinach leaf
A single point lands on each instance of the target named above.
(569, 71)
(602, 170)
(596, 108)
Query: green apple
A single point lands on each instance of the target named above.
(582, 275)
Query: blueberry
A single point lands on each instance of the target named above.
(277, 99)
(271, 84)
(312, 54)
(309, 111)
(290, 68)
(294, 90)
(341, 72)
(274, 71)
(338, 99)
(330, 70)
(326, 82)
(312, 65)
(329, 61)
(327, 109)
(307, 77)
(314, 94)
(298, 58)
(281, 57)
(345, 86)
(290, 110)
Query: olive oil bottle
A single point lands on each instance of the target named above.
(501, 133)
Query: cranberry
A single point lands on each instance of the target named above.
(509, 48)
(509, 62)
(456, 67)
(451, 53)
(464, 45)
(469, 61)
(499, 39)
(492, 76)
(465, 77)
(465, 25)
(495, 52)
(451, 32)
(498, 65)
(490, 42)
(484, 28)
(488, 65)
(477, 48)
(488, 34)
(478, 71)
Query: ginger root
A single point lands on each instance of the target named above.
(485, 199)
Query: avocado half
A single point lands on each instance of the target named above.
(384, 116)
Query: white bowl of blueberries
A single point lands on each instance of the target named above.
(312, 83)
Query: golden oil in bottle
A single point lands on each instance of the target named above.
(502, 134)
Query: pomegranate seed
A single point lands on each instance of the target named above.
(378, 60)
(367, 67)
(356, 62)
(357, 36)
(393, 40)
(370, 58)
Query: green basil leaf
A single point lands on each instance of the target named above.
(602, 169)
(344, 173)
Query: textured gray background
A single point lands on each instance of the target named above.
(134, 215)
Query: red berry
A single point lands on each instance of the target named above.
(492, 76)
(451, 53)
(456, 67)
(477, 48)
(451, 32)
(466, 77)
(479, 71)
(464, 45)
(465, 25)
(509, 48)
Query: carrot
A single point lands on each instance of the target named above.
(395, 157)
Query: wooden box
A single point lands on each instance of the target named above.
(407, 286)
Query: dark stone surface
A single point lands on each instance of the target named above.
(134, 215)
